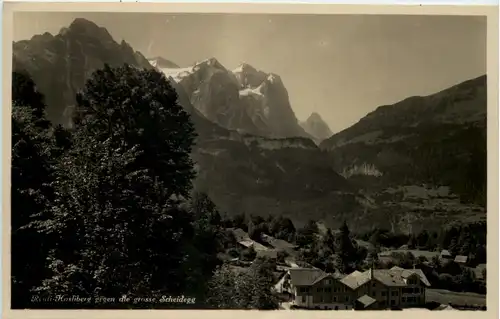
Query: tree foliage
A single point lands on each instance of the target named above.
(249, 288)
(31, 186)
(120, 227)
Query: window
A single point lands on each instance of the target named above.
(319, 289)
(346, 298)
(374, 285)
(403, 299)
(393, 302)
(303, 298)
(383, 293)
(394, 293)
(321, 299)
(329, 289)
(334, 298)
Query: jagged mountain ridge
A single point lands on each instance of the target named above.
(60, 64)
(241, 172)
(244, 99)
(316, 127)
(292, 176)
(159, 62)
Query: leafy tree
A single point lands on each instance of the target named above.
(208, 239)
(249, 288)
(307, 235)
(117, 214)
(282, 228)
(31, 189)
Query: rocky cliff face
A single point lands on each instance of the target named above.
(60, 64)
(244, 99)
(316, 127)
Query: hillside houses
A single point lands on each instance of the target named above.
(372, 289)
(271, 251)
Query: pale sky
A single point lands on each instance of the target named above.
(340, 66)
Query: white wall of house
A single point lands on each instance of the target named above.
(303, 301)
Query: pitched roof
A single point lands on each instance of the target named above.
(259, 247)
(277, 243)
(335, 275)
(240, 234)
(366, 300)
(445, 252)
(305, 276)
(461, 259)
(246, 243)
(356, 279)
(396, 277)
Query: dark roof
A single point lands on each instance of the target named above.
(305, 276)
(461, 259)
(356, 279)
(277, 243)
(240, 234)
(445, 252)
(394, 277)
(366, 300)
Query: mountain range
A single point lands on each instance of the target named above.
(253, 156)
(245, 99)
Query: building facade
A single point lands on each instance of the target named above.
(373, 289)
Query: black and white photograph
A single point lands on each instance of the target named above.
(299, 162)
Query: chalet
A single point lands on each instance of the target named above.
(314, 289)
(373, 289)
(462, 260)
(391, 288)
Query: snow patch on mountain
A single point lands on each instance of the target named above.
(243, 99)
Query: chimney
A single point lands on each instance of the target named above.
(370, 274)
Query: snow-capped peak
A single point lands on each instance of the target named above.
(213, 62)
(245, 68)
